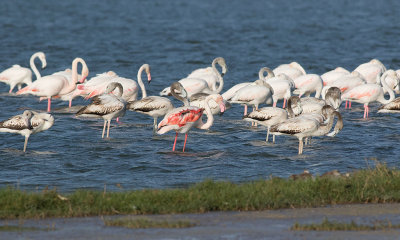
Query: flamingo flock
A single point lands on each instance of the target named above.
(302, 116)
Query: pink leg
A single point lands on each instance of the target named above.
(345, 106)
(184, 145)
(365, 110)
(10, 91)
(245, 110)
(70, 103)
(284, 103)
(49, 104)
(176, 136)
(274, 105)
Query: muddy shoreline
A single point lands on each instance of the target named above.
(271, 224)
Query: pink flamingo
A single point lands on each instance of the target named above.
(210, 74)
(307, 84)
(182, 119)
(293, 70)
(55, 85)
(17, 75)
(371, 70)
(333, 75)
(369, 92)
(283, 87)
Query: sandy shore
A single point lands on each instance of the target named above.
(274, 224)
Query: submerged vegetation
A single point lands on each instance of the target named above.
(378, 185)
(327, 225)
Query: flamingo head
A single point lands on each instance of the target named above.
(42, 58)
(222, 63)
(218, 99)
(85, 73)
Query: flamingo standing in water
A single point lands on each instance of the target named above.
(55, 85)
(198, 85)
(26, 124)
(182, 119)
(107, 106)
(368, 93)
(17, 75)
(157, 106)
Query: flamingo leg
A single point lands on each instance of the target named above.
(284, 103)
(184, 144)
(266, 139)
(155, 125)
(48, 104)
(104, 128)
(365, 110)
(345, 106)
(26, 142)
(273, 138)
(300, 146)
(274, 104)
(245, 110)
(70, 103)
(108, 128)
(176, 136)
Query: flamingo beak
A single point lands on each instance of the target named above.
(149, 77)
(83, 79)
(222, 106)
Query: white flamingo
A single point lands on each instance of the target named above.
(283, 87)
(55, 85)
(198, 85)
(333, 75)
(26, 124)
(371, 70)
(182, 119)
(107, 106)
(307, 84)
(293, 70)
(369, 92)
(210, 74)
(17, 75)
(253, 95)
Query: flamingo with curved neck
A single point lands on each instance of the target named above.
(54, 85)
(17, 75)
(182, 119)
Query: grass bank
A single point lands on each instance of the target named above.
(378, 185)
(327, 225)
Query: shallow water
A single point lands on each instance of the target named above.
(176, 37)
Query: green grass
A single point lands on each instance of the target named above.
(14, 228)
(147, 223)
(327, 225)
(378, 185)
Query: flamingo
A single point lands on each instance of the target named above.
(269, 116)
(333, 75)
(283, 86)
(97, 86)
(27, 123)
(315, 105)
(333, 97)
(55, 85)
(392, 107)
(392, 80)
(307, 84)
(300, 127)
(210, 74)
(182, 119)
(197, 85)
(328, 112)
(293, 70)
(369, 92)
(17, 75)
(156, 106)
(371, 70)
(107, 106)
(232, 91)
(90, 86)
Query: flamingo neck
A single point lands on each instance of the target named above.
(210, 117)
(33, 66)
(388, 89)
(220, 79)
(140, 82)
